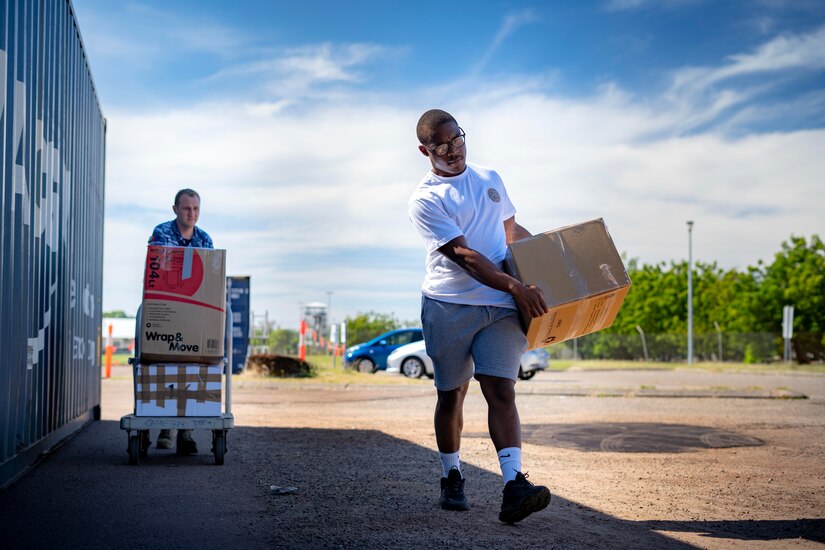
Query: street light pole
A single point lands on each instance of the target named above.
(690, 294)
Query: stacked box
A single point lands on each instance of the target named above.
(581, 275)
(184, 305)
(178, 390)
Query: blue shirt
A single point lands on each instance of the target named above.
(168, 234)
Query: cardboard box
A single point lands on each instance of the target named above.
(581, 274)
(178, 390)
(184, 305)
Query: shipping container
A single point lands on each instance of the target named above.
(53, 146)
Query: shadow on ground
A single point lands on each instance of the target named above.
(750, 530)
(356, 489)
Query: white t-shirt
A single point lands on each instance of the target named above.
(474, 204)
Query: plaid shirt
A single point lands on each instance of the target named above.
(168, 234)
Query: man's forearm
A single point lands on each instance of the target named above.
(480, 268)
(529, 300)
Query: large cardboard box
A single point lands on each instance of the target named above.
(581, 274)
(178, 390)
(184, 305)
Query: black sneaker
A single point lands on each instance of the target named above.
(452, 492)
(522, 498)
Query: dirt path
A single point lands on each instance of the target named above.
(624, 471)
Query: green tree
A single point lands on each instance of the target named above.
(733, 302)
(366, 326)
(656, 300)
(796, 277)
(742, 303)
(116, 314)
(283, 341)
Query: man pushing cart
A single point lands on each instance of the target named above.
(183, 339)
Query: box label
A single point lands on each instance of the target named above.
(180, 273)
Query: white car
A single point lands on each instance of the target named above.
(412, 360)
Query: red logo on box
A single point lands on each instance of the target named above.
(173, 270)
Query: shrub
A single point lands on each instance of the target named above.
(283, 366)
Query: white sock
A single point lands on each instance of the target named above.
(510, 461)
(450, 461)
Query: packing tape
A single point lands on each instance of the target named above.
(188, 252)
(178, 390)
(212, 396)
(181, 388)
(147, 378)
(203, 374)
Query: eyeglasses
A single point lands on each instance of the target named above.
(442, 148)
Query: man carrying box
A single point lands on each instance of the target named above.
(469, 308)
(181, 231)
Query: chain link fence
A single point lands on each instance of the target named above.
(760, 347)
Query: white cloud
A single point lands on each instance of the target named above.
(708, 92)
(320, 62)
(289, 195)
(805, 51)
(619, 5)
(142, 36)
(297, 73)
(625, 5)
(783, 53)
(509, 25)
(310, 200)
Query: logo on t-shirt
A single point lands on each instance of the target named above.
(493, 194)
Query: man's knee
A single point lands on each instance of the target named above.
(497, 391)
(452, 399)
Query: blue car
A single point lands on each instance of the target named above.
(372, 356)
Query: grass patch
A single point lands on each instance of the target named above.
(617, 365)
(607, 364)
(808, 368)
(323, 372)
(118, 359)
(560, 364)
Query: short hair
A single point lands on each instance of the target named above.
(428, 123)
(190, 192)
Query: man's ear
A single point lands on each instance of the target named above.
(424, 150)
(175, 209)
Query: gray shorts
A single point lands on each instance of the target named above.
(460, 336)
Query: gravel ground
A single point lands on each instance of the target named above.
(626, 470)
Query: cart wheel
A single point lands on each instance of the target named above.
(134, 450)
(219, 446)
(145, 443)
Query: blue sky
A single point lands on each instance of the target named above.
(295, 121)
